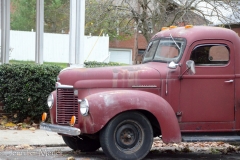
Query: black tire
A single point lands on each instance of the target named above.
(82, 143)
(128, 136)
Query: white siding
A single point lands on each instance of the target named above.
(56, 47)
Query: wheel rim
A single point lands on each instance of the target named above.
(128, 135)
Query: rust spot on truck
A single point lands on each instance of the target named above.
(131, 76)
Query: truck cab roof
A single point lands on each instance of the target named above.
(195, 33)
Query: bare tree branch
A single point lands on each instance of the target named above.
(149, 16)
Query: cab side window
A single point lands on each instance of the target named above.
(210, 54)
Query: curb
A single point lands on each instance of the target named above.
(39, 145)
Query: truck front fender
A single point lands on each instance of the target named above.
(105, 105)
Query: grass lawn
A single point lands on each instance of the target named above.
(62, 65)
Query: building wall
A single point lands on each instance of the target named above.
(129, 44)
(56, 47)
(237, 30)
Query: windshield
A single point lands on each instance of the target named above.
(165, 50)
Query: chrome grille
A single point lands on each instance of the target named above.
(67, 105)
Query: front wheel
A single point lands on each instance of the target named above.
(128, 136)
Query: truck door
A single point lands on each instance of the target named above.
(208, 95)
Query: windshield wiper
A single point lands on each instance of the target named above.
(174, 42)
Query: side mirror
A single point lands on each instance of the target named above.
(172, 65)
(191, 66)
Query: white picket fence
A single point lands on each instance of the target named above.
(56, 47)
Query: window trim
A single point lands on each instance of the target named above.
(212, 44)
(175, 38)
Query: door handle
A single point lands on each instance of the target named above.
(230, 81)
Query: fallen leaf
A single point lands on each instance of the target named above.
(23, 146)
(2, 147)
(26, 145)
(186, 149)
(71, 158)
(4, 117)
(9, 124)
(220, 143)
(32, 128)
(175, 145)
(3, 121)
(19, 124)
(35, 125)
(15, 115)
(231, 149)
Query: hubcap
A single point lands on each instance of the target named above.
(128, 135)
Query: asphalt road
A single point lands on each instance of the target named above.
(64, 153)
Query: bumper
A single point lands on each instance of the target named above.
(60, 129)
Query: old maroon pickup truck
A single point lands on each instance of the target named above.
(187, 89)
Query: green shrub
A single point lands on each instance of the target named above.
(24, 88)
(93, 64)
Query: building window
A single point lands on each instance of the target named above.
(141, 51)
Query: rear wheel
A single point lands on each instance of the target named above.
(128, 136)
(82, 143)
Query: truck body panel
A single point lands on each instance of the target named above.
(198, 94)
(111, 103)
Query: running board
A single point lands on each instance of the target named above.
(210, 138)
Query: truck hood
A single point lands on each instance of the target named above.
(137, 76)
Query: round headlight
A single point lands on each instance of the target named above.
(84, 107)
(50, 100)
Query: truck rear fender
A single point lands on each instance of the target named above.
(106, 105)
